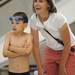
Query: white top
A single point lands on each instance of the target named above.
(54, 22)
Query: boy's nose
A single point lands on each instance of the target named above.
(14, 25)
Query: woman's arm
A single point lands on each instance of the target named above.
(64, 32)
(36, 51)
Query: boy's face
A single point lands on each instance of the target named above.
(17, 24)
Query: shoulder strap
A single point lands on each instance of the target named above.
(58, 40)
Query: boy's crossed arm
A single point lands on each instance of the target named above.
(10, 54)
(6, 52)
(26, 50)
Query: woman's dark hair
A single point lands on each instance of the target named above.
(23, 15)
(52, 8)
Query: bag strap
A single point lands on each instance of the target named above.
(58, 40)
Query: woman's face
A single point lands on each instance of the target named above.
(40, 6)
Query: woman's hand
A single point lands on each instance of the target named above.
(62, 70)
(40, 71)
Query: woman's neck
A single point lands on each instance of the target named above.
(44, 16)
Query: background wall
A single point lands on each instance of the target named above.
(67, 7)
(10, 8)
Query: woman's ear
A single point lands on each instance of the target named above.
(49, 7)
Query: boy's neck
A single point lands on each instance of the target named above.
(19, 33)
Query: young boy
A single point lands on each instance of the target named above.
(18, 45)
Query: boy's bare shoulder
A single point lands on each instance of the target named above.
(28, 35)
(9, 34)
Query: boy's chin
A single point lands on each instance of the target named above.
(14, 30)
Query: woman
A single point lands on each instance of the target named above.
(53, 25)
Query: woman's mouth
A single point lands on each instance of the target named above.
(37, 8)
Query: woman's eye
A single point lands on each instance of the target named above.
(40, 0)
(35, 0)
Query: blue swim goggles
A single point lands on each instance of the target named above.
(18, 19)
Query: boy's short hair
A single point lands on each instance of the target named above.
(23, 15)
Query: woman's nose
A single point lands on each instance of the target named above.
(37, 2)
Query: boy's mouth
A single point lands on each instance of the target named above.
(14, 29)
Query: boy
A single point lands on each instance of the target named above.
(18, 45)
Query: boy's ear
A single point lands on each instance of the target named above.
(25, 24)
